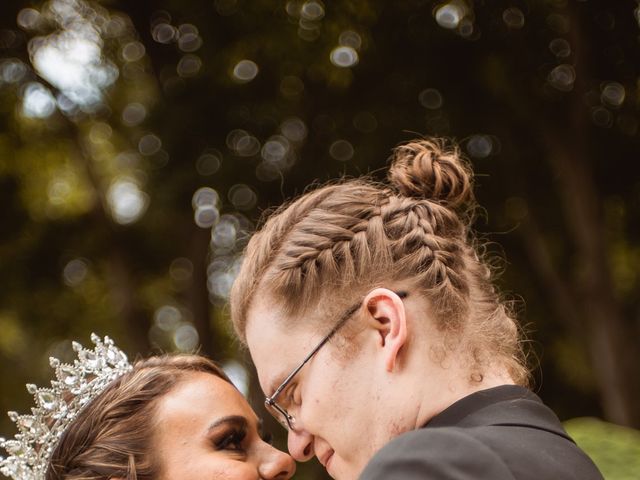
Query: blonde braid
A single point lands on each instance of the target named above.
(357, 234)
(261, 248)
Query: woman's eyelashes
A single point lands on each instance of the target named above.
(232, 440)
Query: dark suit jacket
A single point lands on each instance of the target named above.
(500, 433)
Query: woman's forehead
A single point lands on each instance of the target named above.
(198, 392)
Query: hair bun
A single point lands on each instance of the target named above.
(426, 168)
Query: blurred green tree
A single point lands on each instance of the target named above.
(615, 449)
(140, 141)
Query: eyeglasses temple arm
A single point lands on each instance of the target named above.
(313, 352)
(333, 331)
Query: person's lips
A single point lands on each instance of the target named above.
(325, 458)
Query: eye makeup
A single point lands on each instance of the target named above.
(231, 440)
(228, 433)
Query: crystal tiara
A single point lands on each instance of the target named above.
(57, 407)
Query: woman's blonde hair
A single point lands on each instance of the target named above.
(112, 436)
(357, 234)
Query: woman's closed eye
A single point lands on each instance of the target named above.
(231, 440)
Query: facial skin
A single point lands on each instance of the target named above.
(206, 430)
(347, 408)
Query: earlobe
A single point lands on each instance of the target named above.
(389, 318)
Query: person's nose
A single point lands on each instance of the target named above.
(300, 443)
(276, 465)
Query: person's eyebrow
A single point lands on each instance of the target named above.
(276, 382)
(272, 387)
(234, 420)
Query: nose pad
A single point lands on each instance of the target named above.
(300, 443)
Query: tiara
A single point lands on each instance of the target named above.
(57, 407)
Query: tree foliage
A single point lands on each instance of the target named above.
(140, 142)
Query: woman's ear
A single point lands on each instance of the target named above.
(387, 314)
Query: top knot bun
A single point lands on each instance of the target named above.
(427, 169)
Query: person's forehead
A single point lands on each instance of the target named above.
(276, 347)
(202, 397)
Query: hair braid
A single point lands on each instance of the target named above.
(262, 246)
(356, 234)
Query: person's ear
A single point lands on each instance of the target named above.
(387, 314)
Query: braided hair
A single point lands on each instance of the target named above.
(358, 234)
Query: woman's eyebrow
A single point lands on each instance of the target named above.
(234, 420)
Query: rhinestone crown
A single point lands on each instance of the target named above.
(57, 407)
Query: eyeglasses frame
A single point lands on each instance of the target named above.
(270, 402)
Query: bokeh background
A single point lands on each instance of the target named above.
(140, 141)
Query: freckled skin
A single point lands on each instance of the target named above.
(187, 449)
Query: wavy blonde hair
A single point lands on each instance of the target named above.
(358, 234)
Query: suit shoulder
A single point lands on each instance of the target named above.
(444, 453)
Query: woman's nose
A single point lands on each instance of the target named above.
(277, 465)
(300, 443)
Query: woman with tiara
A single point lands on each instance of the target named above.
(171, 416)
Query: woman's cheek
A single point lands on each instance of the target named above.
(235, 470)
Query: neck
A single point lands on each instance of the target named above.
(437, 396)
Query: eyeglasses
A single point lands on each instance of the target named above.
(280, 413)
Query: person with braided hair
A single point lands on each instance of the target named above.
(380, 340)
